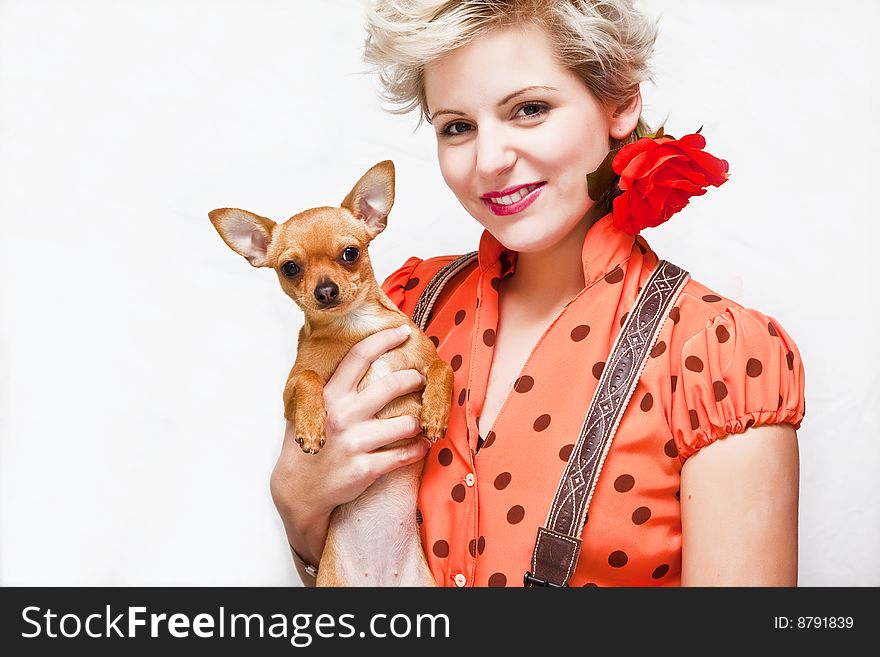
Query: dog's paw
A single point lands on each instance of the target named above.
(433, 425)
(309, 434)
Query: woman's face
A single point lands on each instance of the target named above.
(517, 135)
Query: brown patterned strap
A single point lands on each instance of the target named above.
(558, 543)
(425, 304)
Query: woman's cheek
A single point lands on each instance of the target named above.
(455, 170)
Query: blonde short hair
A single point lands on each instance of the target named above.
(607, 43)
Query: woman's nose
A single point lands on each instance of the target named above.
(495, 154)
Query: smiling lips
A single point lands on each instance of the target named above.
(513, 200)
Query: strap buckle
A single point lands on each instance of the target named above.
(530, 580)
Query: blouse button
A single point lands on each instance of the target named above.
(460, 580)
(469, 479)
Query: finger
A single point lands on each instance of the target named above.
(386, 460)
(359, 358)
(382, 432)
(379, 393)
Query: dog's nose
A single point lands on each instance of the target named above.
(327, 293)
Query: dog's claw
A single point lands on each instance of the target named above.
(321, 443)
(299, 441)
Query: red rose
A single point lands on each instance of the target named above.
(658, 177)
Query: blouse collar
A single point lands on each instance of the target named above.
(605, 247)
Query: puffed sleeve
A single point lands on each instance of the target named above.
(399, 282)
(743, 370)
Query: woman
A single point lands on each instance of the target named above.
(527, 98)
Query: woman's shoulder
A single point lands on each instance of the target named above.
(405, 285)
(731, 367)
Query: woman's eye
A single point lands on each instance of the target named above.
(289, 269)
(532, 110)
(456, 128)
(350, 254)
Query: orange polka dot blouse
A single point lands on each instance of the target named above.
(717, 369)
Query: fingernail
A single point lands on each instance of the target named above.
(403, 330)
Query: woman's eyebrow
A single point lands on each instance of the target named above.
(510, 97)
(501, 103)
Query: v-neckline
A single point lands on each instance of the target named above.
(525, 366)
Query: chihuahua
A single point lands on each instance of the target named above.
(321, 259)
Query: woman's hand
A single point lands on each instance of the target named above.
(307, 487)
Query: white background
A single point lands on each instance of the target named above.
(142, 362)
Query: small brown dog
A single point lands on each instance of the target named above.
(321, 259)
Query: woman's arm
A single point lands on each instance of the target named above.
(739, 510)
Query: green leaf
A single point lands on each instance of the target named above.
(602, 178)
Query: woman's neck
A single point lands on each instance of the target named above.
(545, 281)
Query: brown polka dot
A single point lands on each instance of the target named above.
(641, 515)
(647, 402)
(624, 483)
(524, 383)
(541, 423)
(481, 545)
(678, 494)
(750, 423)
(779, 405)
(516, 514)
(614, 276)
(441, 549)
(670, 448)
(617, 559)
(410, 284)
(695, 419)
(597, 369)
(722, 334)
(461, 397)
(789, 360)
(772, 329)
(565, 452)
(445, 456)
(459, 317)
(489, 337)
(675, 315)
(458, 492)
(674, 383)
(472, 547)
(590, 585)
(623, 319)
(693, 363)
(498, 579)
(711, 298)
(578, 333)
(502, 480)
(660, 571)
(419, 519)
(435, 340)
(641, 248)
(754, 367)
(658, 349)
(478, 303)
(455, 363)
(490, 438)
(720, 390)
(496, 283)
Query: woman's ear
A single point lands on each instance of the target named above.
(625, 117)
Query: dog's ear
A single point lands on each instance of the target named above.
(370, 200)
(246, 233)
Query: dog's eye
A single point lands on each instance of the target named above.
(289, 269)
(350, 254)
